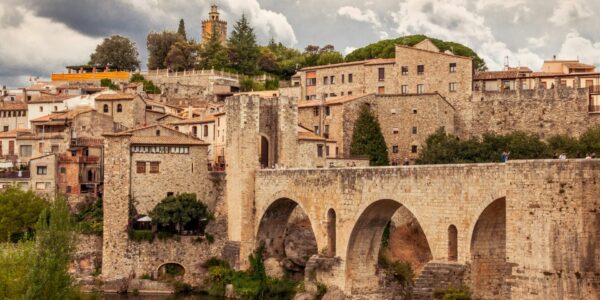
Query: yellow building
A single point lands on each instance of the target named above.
(214, 24)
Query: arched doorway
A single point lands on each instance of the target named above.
(452, 243)
(489, 268)
(286, 233)
(331, 232)
(264, 152)
(170, 271)
(364, 247)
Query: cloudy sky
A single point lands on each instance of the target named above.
(38, 37)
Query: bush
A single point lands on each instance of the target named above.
(209, 238)
(90, 219)
(401, 271)
(141, 235)
(461, 293)
(215, 262)
(109, 84)
(176, 213)
(19, 212)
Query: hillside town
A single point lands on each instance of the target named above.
(277, 167)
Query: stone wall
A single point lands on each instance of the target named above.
(541, 111)
(87, 261)
(132, 115)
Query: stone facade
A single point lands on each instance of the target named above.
(125, 109)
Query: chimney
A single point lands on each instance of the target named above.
(554, 56)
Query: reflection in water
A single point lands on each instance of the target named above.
(157, 297)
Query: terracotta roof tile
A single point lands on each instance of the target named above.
(166, 140)
(198, 120)
(49, 98)
(113, 97)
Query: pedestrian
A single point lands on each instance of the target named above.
(562, 156)
(504, 156)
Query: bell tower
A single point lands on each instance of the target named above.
(214, 25)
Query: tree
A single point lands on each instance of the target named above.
(213, 54)
(117, 52)
(368, 140)
(181, 56)
(159, 44)
(175, 213)
(48, 276)
(181, 30)
(243, 50)
(268, 60)
(19, 212)
(330, 57)
(149, 86)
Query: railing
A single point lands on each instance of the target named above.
(87, 142)
(15, 174)
(594, 89)
(170, 73)
(78, 159)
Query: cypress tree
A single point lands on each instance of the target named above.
(368, 140)
(213, 54)
(181, 29)
(243, 50)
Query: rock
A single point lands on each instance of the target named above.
(290, 265)
(229, 293)
(334, 293)
(304, 296)
(300, 243)
(273, 268)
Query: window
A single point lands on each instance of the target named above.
(350, 78)
(55, 108)
(349, 93)
(194, 131)
(395, 130)
(452, 67)
(311, 81)
(413, 149)
(157, 132)
(316, 111)
(105, 108)
(41, 108)
(381, 90)
(420, 69)
(327, 151)
(319, 150)
(420, 88)
(414, 111)
(154, 167)
(394, 148)
(54, 149)
(404, 70)
(41, 147)
(42, 170)
(414, 130)
(325, 80)
(327, 111)
(404, 89)
(316, 129)
(343, 78)
(326, 131)
(25, 150)
(332, 80)
(342, 93)
(205, 130)
(68, 189)
(63, 170)
(5, 128)
(119, 107)
(452, 87)
(381, 72)
(42, 185)
(140, 167)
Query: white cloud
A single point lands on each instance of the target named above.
(37, 46)
(538, 42)
(349, 50)
(576, 46)
(367, 16)
(570, 10)
(267, 22)
(452, 20)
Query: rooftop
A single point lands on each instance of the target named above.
(114, 97)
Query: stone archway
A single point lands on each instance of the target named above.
(489, 268)
(170, 271)
(365, 242)
(287, 235)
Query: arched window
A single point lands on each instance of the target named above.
(105, 108)
(119, 108)
(452, 243)
(331, 232)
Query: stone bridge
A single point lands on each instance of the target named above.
(521, 230)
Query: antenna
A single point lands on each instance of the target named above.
(506, 64)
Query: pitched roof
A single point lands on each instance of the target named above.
(578, 65)
(63, 115)
(14, 133)
(166, 140)
(49, 98)
(309, 136)
(380, 61)
(13, 106)
(198, 120)
(115, 97)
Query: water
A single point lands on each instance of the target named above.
(158, 297)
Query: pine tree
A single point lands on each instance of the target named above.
(243, 50)
(181, 29)
(368, 140)
(213, 54)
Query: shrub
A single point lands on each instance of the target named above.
(109, 84)
(141, 235)
(461, 293)
(214, 262)
(90, 219)
(209, 238)
(183, 211)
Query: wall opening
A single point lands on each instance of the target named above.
(264, 152)
(365, 247)
(170, 271)
(452, 243)
(286, 233)
(331, 237)
(489, 269)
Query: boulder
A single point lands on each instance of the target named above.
(273, 268)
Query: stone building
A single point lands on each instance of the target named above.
(13, 116)
(125, 109)
(80, 170)
(214, 24)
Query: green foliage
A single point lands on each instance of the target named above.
(244, 53)
(147, 276)
(117, 52)
(272, 84)
(181, 29)
(330, 57)
(174, 270)
(14, 263)
(321, 290)
(215, 262)
(451, 293)
(209, 238)
(181, 56)
(109, 84)
(48, 276)
(386, 49)
(401, 271)
(141, 235)
(249, 85)
(385, 237)
(213, 55)
(175, 213)
(19, 212)
(149, 86)
(368, 140)
(90, 218)
(442, 148)
(159, 44)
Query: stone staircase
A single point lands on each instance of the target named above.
(437, 275)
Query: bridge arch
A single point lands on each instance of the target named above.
(364, 243)
(272, 231)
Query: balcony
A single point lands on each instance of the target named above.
(78, 159)
(87, 142)
(594, 89)
(15, 174)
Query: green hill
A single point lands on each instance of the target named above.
(386, 49)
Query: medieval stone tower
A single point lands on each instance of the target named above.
(261, 132)
(214, 24)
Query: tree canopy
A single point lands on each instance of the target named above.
(175, 213)
(159, 45)
(243, 51)
(387, 49)
(181, 30)
(19, 212)
(368, 140)
(213, 54)
(118, 52)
